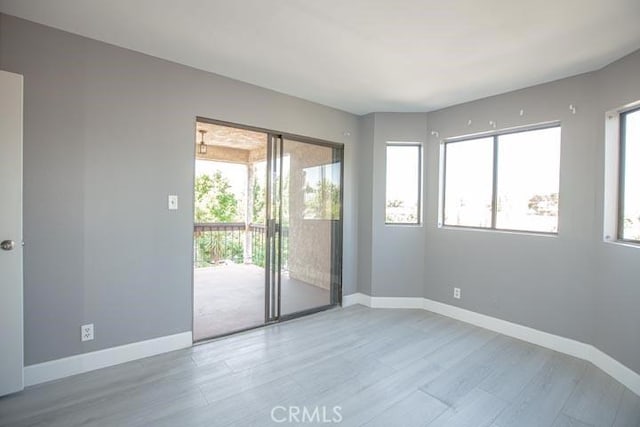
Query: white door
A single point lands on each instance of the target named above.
(11, 334)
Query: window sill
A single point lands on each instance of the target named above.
(401, 224)
(499, 231)
(622, 243)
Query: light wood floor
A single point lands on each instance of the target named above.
(380, 367)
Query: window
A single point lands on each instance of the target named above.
(507, 181)
(469, 183)
(403, 195)
(629, 197)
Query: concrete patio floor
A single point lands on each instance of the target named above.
(230, 297)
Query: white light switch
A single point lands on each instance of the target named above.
(173, 202)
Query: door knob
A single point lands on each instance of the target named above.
(7, 245)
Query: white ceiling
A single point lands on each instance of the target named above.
(363, 55)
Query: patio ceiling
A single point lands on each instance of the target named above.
(227, 144)
(223, 136)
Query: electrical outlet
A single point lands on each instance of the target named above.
(456, 293)
(86, 332)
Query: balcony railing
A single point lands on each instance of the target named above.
(220, 243)
(216, 243)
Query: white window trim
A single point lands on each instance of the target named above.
(421, 162)
(489, 134)
(611, 201)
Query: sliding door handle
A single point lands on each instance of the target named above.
(271, 228)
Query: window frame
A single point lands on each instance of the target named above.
(494, 187)
(622, 122)
(418, 145)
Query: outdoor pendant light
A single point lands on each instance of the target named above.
(202, 148)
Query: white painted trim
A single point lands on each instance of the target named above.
(396, 302)
(608, 364)
(617, 370)
(357, 298)
(524, 333)
(72, 365)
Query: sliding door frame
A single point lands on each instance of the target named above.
(273, 227)
(337, 248)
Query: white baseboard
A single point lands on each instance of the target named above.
(381, 302)
(588, 352)
(615, 369)
(72, 365)
(357, 298)
(396, 302)
(524, 333)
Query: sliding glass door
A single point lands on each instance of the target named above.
(304, 226)
(287, 220)
(311, 225)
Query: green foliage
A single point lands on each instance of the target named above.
(258, 248)
(322, 201)
(215, 246)
(215, 202)
(259, 200)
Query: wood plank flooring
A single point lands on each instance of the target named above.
(375, 367)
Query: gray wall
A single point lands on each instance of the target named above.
(617, 271)
(108, 135)
(398, 251)
(539, 281)
(573, 284)
(391, 257)
(365, 192)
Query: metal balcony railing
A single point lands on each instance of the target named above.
(216, 243)
(220, 243)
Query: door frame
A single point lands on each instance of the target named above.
(337, 229)
(11, 231)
